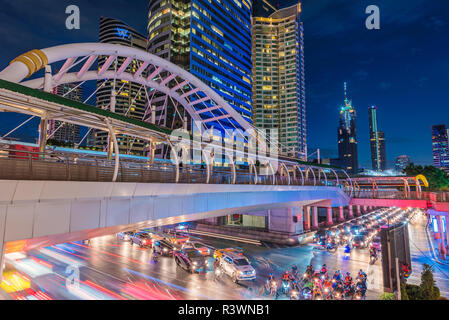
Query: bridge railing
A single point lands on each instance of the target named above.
(18, 164)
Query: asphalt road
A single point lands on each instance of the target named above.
(421, 252)
(113, 269)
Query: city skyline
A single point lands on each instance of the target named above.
(367, 60)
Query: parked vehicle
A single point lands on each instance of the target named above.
(237, 267)
(142, 239)
(190, 260)
(125, 235)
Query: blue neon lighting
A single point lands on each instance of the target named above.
(123, 33)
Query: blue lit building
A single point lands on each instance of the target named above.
(114, 31)
(347, 137)
(198, 36)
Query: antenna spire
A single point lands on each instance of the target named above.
(346, 96)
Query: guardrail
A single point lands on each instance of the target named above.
(18, 164)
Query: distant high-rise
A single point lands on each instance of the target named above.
(129, 101)
(264, 8)
(401, 162)
(62, 132)
(347, 137)
(440, 146)
(377, 140)
(278, 78)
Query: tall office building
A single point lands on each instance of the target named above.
(440, 146)
(401, 162)
(347, 137)
(211, 40)
(377, 141)
(278, 78)
(62, 132)
(130, 100)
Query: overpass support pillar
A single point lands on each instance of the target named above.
(341, 216)
(441, 245)
(329, 216)
(307, 217)
(315, 218)
(359, 210)
(447, 229)
(351, 214)
(2, 236)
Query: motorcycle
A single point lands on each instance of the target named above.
(294, 295)
(217, 274)
(331, 247)
(285, 287)
(269, 289)
(349, 291)
(372, 259)
(306, 293)
(338, 293)
(347, 252)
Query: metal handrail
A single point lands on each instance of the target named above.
(17, 164)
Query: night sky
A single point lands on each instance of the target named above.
(403, 68)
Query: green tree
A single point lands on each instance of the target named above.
(412, 291)
(404, 294)
(387, 296)
(427, 288)
(437, 178)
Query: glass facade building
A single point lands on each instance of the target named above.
(401, 162)
(377, 142)
(440, 146)
(66, 133)
(130, 98)
(347, 137)
(278, 78)
(197, 36)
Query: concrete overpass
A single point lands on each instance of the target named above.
(40, 213)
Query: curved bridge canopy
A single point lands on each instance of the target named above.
(201, 102)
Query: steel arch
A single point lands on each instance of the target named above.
(29, 63)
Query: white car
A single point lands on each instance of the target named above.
(203, 249)
(237, 267)
(125, 236)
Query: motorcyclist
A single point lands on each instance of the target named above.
(348, 279)
(373, 252)
(285, 276)
(362, 276)
(336, 279)
(317, 292)
(270, 277)
(309, 271)
(347, 248)
(294, 271)
(216, 263)
(323, 269)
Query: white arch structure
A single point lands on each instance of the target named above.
(202, 103)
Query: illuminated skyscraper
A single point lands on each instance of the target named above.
(401, 162)
(131, 99)
(211, 40)
(66, 133)
(278, 75)
(347, 137)
(377, 141)
(440, 146)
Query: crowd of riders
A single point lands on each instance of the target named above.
(316, 285)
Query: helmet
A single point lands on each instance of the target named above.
(348, 274)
